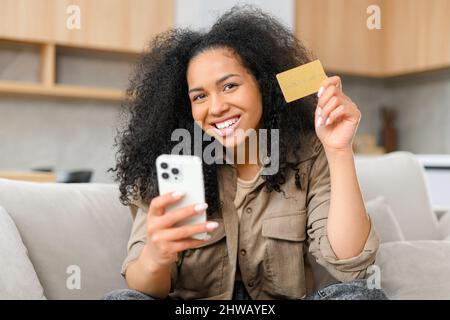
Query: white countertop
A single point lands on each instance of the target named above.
(434, 160)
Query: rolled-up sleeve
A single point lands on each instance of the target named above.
(138, 239)
(138, 236)
(318, 202)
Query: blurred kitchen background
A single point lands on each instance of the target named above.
(61, 86)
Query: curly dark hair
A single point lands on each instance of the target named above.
(157, 100)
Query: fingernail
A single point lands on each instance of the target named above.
(327, 122)
(319, 121)
(207, 237)
(178, 194)
(199, 208)
(320, 92)
(319, 110)
(212, 225)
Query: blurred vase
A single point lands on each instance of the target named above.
(389, 131)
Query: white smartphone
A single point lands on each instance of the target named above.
(183, 174)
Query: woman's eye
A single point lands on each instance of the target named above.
(200, 96)
(229, 86)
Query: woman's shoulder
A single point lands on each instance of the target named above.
(136, 202)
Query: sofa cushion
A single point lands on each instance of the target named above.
(400, 178)
(76, 235)
(386, 227)
(384, 221)
(415, 269)
(18, 280)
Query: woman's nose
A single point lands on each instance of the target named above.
(218, 106)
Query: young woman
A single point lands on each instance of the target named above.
(261, 226)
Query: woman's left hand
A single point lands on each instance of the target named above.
(337, 117)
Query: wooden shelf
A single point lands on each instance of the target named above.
(47, 85)
(119, 29)
(28, 176)
(57, 90)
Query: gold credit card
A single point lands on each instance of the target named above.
(301, 81)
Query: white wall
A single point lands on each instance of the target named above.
(201, 14)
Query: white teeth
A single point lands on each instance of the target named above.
(227, 123)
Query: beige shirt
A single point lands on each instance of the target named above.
(243, 187)
(269, 241)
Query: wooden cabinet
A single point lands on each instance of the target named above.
(336, 32)
(106, 27)
(414, 35)
(121, 25)
(417, 35)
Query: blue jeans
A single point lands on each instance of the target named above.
(353, 290)
(240, 293)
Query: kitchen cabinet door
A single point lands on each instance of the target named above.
(336, 31)
(116, 25)
(417, 35)
(414, 35)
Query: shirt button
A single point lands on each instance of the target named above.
(250, 284)
(243, 252)
(248, 210)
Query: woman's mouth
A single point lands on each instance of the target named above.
(227, 127)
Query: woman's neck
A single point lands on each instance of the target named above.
(248, 169)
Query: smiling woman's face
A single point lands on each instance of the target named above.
(224, 95)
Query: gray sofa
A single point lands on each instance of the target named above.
(68, 241)
(68, 230)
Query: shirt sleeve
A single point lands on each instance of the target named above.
(138, 238)
(318, 207)
(138, 235)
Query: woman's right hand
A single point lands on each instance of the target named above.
(164, 240)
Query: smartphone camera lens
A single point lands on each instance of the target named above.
(175, 171)
(165, 175)
(164, 165)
